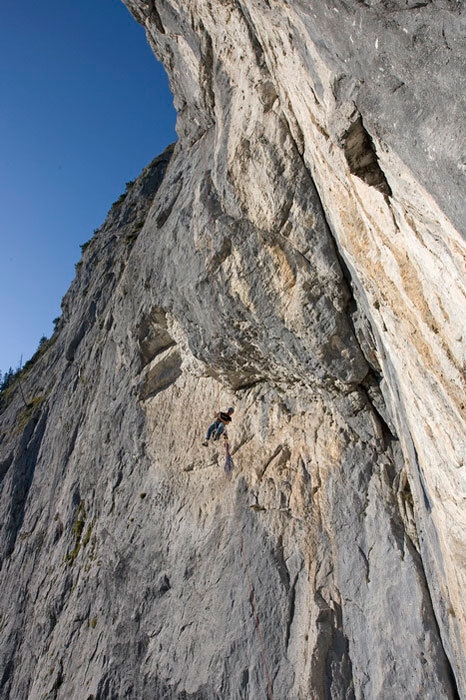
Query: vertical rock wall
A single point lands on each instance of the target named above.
(296, 257)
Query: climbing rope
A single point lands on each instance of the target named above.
(228, 470)
(228, 457)
(216, 352)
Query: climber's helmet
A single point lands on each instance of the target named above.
(230, 410)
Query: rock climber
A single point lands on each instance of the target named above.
(218, 426)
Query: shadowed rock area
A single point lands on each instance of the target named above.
(298, 255)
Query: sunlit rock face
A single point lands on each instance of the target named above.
(298, 256)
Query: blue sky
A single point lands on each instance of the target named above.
(84, 106)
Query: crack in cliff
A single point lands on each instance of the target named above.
(206, 71)
(373, 376)
(252, 35)
(24, 466)
(291, 607)
(5, 465)
(332, 669)
(417, 557)
(361, 156)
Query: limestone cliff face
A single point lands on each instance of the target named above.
(297, 255)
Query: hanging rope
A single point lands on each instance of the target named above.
(228, 457)
(216, 352)
(213, 315)
(228, 470)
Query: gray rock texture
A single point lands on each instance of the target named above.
(299, 255)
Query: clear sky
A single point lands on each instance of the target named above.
(84, 106)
